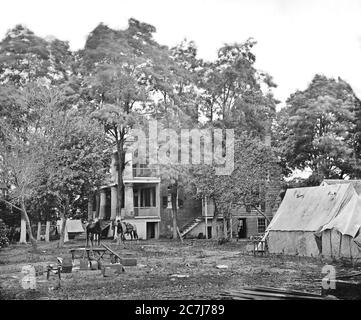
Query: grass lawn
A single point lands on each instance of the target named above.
(158, 261)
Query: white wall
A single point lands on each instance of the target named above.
(141, 226)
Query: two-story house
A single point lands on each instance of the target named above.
(141, 198)
(147, 204)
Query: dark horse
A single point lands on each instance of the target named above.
(93, 228)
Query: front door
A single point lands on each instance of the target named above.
(242, 228)
(150, 230)
(209, 232)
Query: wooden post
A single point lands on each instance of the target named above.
(179, 234)
(39, 231)
(22, 230)
(47, 231)
(206, 215)
(231, 224)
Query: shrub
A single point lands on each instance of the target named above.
(4, 240)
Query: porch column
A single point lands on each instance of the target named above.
(205, 200)
(128, 170)
(129, 200)
(102, 204)
(157, 198)
(156, 229)
(113, 204)
(152, 195)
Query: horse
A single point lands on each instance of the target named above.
(128, 228)
(93, 228)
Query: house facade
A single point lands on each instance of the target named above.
(254, 221)
(147, 204)
(141, 199)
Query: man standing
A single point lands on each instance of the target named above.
(119, 232)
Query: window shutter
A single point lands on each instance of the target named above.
(165, 202)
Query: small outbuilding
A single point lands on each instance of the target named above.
(72, 228)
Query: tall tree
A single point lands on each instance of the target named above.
(20, 164)
(26, 57)
(78, 158)
(232, 90)
(256, 173)
(318, 129)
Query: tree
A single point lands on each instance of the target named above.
(26, 58)
(77, 162)
(20, 165)
(232, 94)
(115, 64)
(255, 178)
(129, 71)
(318, 129)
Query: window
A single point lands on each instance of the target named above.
(261, 225)
(165, 202)
(144, 197)
(169, 200)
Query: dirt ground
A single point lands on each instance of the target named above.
(165, 270)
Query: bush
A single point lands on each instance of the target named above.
(4, 240)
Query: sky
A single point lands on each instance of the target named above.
(295, 38)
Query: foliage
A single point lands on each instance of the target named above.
(233, 94)
(4, 240)
(255, 171)
(64, 113)
(318, 129)
(25, 58)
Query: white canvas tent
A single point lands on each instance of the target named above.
(317, 220)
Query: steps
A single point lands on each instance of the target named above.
(190, 226)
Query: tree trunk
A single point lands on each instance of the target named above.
(47, 231)
(228, 222)
(230, 226)
(63, 216)
(120, 185)
(22, 230)
(90, 206)
(97, 205)
(28, 225)
(174, 211)
(38, 236)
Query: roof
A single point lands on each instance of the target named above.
(355, 183)
(72, 225)
(310, 209)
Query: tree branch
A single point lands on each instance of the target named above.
(259, 211)
(9, 203)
